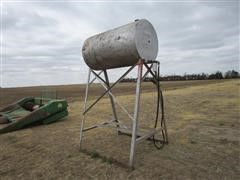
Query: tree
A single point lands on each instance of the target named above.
(231, 74)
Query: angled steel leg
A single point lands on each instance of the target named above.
(84, 107)
(111, 98)
(136, 113)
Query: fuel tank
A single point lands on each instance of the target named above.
(122, 46)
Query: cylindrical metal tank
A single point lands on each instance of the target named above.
(122, 46)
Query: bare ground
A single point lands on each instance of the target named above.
(77, 92)
(203, 126)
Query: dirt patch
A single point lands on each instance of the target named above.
(77, 92)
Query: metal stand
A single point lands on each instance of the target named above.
(116, 123)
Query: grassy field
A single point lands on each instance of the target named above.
(203, 126)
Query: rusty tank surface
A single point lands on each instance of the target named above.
(122, 46)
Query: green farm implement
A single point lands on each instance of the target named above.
(30, 111)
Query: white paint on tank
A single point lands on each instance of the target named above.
(146, 40)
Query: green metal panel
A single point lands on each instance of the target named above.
(49, 111)
(55, 117)
(15, 114)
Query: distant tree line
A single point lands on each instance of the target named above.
(203, 76)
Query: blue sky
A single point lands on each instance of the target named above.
(42, 40)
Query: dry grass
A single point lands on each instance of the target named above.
(203, 124)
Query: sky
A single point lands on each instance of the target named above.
(41, 41)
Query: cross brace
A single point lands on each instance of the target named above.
(115, 123)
